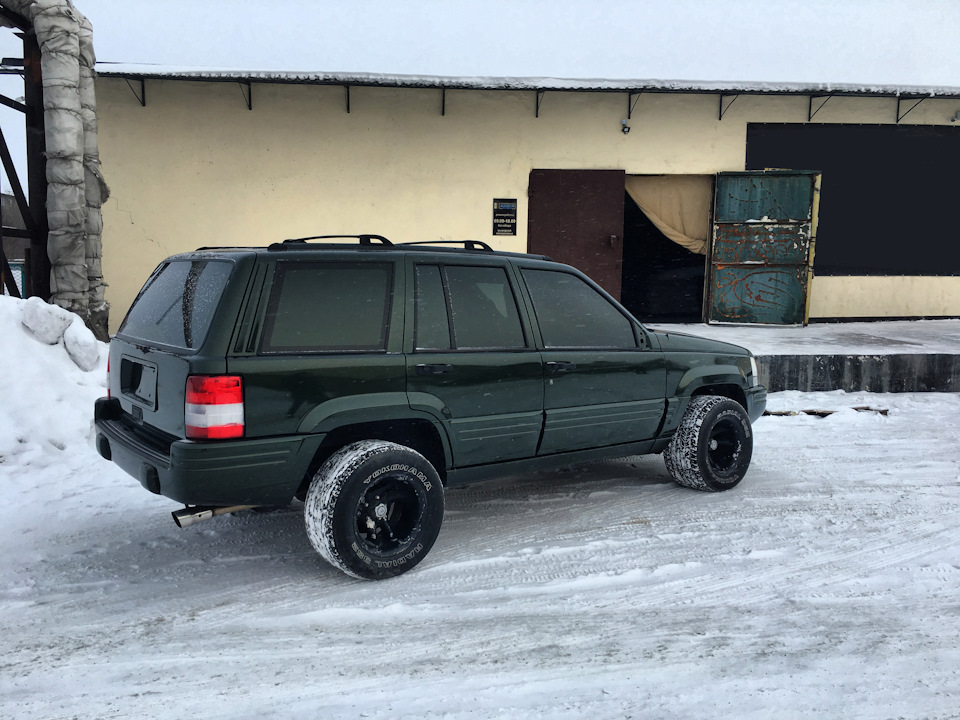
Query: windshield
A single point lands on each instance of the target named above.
(177, 304)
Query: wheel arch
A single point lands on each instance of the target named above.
(696, 382)
(728, 390)
(416, 433)
(724, 375)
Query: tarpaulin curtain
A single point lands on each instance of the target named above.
(679, 205)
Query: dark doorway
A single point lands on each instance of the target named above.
(662, 281)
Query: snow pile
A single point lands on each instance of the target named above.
(50, 324)
(51, 371)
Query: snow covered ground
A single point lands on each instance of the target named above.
(826, 585)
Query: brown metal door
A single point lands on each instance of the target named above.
(576, 217)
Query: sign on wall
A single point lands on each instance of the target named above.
(504, 216)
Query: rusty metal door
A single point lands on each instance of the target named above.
(764, 229)
(576, 217)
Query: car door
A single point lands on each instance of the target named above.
(603, 384)
(471, 361)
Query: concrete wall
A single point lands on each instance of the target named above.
(195, 167)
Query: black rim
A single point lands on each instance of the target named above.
(724, 446)
(388, 514)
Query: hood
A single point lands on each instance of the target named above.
(682, 342)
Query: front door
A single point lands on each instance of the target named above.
(576, 217)
(761, 259)
(602, 384)
(471, 362)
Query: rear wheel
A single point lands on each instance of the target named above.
(712, 447)
(374, 509)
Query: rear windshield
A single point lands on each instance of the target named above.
(177, 304)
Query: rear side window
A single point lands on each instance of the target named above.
(466, 308)
(572, 314)
(326, 307)
(177, 304)
(432, 323)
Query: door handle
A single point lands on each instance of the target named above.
(439, 369)
(558, 368)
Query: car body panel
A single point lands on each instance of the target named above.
(489, 403)
(605, 398)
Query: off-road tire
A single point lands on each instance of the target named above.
(374, 509)
(712, 447)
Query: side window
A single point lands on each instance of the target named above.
(432, 328)
(323, 307)
(572, 314)
(466, 308)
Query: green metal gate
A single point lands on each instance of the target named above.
(761, 259)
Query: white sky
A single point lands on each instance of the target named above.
(910, 42)
(914, 42)
(887, 42)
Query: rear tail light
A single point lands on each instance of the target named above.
(214, 407)
(108, 376)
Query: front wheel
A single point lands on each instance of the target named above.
(712, 447)
(374, 509)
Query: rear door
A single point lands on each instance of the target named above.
(761, 256)
(471, 362)
(576, 218)
(603, 385)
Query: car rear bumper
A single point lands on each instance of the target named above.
(260, 471)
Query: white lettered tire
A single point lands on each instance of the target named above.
(374, 509)
(712, 447)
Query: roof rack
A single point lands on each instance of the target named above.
(467, 244)
(364, 240)
(379, 241)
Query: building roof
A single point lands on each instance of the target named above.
(161, 72)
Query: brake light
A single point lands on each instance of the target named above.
(214, 407)
(108, 375)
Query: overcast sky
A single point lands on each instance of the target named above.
(889, 42)
(913, 42)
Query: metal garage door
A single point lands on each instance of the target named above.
(764, 229)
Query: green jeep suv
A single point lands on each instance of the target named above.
(366, 377)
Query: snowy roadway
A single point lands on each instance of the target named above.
(826, 585)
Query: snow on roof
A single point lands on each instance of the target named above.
(164, 72)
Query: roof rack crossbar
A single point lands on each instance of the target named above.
(467, 244)
(364, 239)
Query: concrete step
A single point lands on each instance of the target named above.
(934, 372)
(888, 356)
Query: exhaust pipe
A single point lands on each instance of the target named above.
(192, 515)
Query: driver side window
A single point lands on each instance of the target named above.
(572, 314)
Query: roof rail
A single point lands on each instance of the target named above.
(467, 244)
(364, 240)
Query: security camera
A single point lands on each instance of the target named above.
(956, 117)
(624, 127)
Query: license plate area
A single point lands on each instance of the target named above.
(138, 381)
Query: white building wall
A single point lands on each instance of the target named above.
(195, 167)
